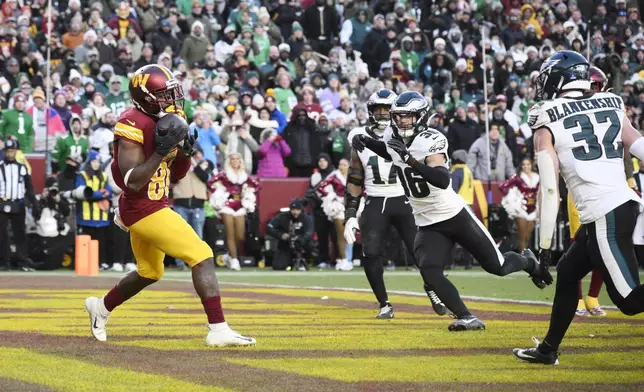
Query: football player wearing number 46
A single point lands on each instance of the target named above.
(385, 204)
(152, 147)
(441, 215)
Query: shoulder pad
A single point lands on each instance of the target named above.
(356, 131)
(537, 116)
(430, 142)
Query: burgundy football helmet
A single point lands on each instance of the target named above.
(154, 90)
(598, 79)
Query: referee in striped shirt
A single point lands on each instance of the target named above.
(15, 187)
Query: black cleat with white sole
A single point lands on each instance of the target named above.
(468, 323)
(438, 305)
(532, 355)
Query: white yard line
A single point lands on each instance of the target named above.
(183, 277)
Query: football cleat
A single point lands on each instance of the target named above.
(343, 265)
(582, 313)
(468, 323)
(231, 263)
(221, 335)
(386, 312)
(541, 276)
(597, 311)
(438, 305)
(533, 355)
(97, 321)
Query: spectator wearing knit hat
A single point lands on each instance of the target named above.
(89, 42)
(123, 19)
(164, 37)
(46, 121)
(195, 46)
(18, 124)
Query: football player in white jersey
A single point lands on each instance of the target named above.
(385, 204)
(443, 218)
(584, 137)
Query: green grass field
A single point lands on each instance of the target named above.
(315, 331)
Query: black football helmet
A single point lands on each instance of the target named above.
(563, 71)
(409, 104)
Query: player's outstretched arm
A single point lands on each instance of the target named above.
(632, 139)
(433, 168)
(352, 195)
(135, 169)
(549, 186)
(360, 142)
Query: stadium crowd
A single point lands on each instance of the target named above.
(273, 87)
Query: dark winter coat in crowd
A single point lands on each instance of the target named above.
(461, 134)
(375, 50)
(301, 135)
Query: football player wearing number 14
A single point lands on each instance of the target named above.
(441, 215)
(585, 136)
(152, 147)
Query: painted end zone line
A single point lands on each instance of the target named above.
(398, 292)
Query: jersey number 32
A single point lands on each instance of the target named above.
(587, 133)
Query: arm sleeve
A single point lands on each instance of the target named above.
(285, 149)
(377, 146)
(251, 143)
(307, 224)
(438, 176)
(29, 192)
(273, 227)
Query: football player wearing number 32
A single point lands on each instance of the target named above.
(152, 147)
(441, 215)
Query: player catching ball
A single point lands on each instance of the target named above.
(151, 149)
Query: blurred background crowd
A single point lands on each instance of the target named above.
(273, 87)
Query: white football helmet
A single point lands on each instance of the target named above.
(409, 114)
(382, 97)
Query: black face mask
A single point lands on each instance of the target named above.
(408, 46)
(472, 87)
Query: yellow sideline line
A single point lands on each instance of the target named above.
(71, 375)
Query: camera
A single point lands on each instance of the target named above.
(80, 193)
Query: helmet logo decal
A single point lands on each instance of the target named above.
(140, 80)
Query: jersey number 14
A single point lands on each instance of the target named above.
(587, 133)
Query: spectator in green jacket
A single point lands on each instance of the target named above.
(72, 147)
(18, 124)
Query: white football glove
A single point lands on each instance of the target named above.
(350, 228)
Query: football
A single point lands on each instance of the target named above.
(172, 120)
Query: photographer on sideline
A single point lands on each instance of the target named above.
(93, 212)
(53, 235)
(294, 231)
(15, 188)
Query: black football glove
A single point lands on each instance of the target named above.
(541, 276)
(188, 144)
(358, 142)
(398, 146)
(170, 131)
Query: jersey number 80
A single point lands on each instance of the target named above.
(158, 186)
